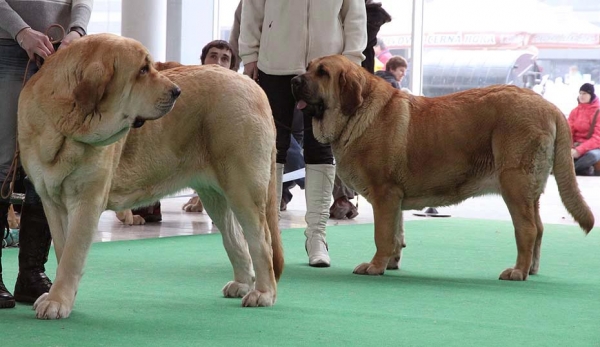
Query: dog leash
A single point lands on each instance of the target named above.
(15, 161)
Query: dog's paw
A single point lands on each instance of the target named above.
(512, 274)
(138, 220)
(128, 218)
(394, 263)
(368, 269)
(235, 289)
(48, 309)
(258, 299)
(193, 205)
(535, 267)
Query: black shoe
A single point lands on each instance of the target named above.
(30, 286)
(342, 208)
(431, 210)
(34, 244)
(6, 298)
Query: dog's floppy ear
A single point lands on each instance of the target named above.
(350, 92)
(90, 89)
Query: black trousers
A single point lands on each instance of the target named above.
(281, 99)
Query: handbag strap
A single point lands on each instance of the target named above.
(591, 132)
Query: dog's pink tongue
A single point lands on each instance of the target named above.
(301, 105)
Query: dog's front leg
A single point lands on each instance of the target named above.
(82, 224)
(57, 221)
(388, 220)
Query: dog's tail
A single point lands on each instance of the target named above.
(564, 173)
(273, 219)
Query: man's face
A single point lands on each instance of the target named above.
(219, 56)
(399, 73)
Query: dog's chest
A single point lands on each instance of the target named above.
(354, 176)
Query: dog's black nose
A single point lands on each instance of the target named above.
(296, 82)
(175, 92)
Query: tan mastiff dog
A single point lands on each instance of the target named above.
(404, 152)
(78, 144)
(193, 205)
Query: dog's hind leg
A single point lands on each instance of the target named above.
(396, 259)
(516, 188)
(233, 239)
(82, 224)
(535, 262)
(250, 210)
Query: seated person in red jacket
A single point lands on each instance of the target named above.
(585, 131)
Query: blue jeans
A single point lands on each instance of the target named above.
(13, 62)
(295, 157)
(294, 161)
(583, 163)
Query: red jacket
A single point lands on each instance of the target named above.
(580, 121)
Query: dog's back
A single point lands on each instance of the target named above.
(457, 144)
(218, 110)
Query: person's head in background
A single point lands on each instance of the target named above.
(397, 66)
(586, 93)
(218, 52)
(379, 47)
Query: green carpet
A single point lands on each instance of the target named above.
(166, 292)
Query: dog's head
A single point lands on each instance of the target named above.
(331, 92)
(100, 87)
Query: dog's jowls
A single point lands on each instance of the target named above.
(406, 152)
(85, 142)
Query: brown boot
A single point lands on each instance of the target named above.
(34, 244)
(6, 298)
(342, 208)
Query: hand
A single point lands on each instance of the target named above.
(34, 42)
(574, 153)
(251, 70)
(70, 37)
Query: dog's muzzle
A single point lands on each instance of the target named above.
(304, 102)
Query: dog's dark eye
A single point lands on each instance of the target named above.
(144, 70)
(322, 72)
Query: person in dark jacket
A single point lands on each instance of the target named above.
(395, 70)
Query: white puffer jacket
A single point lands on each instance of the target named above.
(285, 35)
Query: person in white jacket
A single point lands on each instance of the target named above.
(278, 38)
